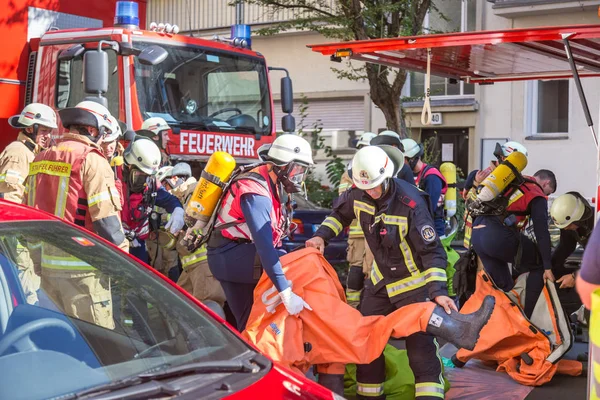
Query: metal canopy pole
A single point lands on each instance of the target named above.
(584, 105)
(588, 117)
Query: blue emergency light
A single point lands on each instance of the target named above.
(127, 13)
(241, 33)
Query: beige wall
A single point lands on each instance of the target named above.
(502, 114)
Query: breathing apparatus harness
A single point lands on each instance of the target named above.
(193, 240)
(496, 206)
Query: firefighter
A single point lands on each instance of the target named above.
(391, 138)
(359, 256)
(142, 159)
(409, 266)
(161, 244)
(35, 124)
(73, 180)
(574, 216)
(113, 151)
(157, 129)
(251, 223)
(499, 237)
(430, 180)
(196, 277)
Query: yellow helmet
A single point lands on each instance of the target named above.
(566, 209)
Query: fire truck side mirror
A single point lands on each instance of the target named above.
(287, 95)
(152, 55)
(288, 123)
(95, 72)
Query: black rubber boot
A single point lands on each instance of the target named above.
(462, 330)
(335, 383)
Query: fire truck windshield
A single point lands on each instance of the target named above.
(206, 89)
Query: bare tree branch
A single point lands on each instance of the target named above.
(300, 5)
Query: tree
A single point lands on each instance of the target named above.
(359, 20)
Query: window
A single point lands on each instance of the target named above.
(547, 107)
(450, 16)
(69, 83)
(203, 88)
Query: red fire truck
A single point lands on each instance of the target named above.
(214, 94)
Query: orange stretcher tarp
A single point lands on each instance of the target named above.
(509, 334)
(334, 333)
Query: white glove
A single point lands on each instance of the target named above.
(176, 222)
(135, 243)
(292, 302)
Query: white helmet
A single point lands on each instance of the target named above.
(155, 125)
(34, 113)
(287, 148)
(144, 154)
(511, 146)
(566, 209)
(365, 139)
(89, 113)
(371, 166)
(412, 148)
(389, 138)
(164, 173)
(116, 134)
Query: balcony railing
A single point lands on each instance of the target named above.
(208, 15)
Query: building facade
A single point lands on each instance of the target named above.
(545, 116)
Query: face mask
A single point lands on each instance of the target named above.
(137, 180)
(292, 177)
(412, 162)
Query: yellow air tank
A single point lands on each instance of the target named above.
(448, 170)
(206, 195)
(501, 176)
(116, 161)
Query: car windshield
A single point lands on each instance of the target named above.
(205, 89)
(98, 317)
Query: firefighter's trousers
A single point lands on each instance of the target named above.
(422, 350)
(359, 255)
(498, 245)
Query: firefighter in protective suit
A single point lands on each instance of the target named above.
(409, 266)
(142, 159)
(157, 129)
(73, 180)
(251, 223)
(161, 243)
(35, 123)
(359, 256)
(429, 179)
(502, 237)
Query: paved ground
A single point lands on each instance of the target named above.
(478, 381)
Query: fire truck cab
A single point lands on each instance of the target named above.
(214, 94)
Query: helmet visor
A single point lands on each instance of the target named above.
(297, 173)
